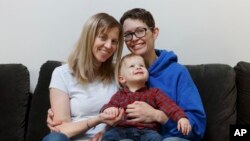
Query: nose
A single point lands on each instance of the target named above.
(108, 44)
(138, 67)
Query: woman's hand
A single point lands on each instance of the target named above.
(110, 119)
(52, 123)
(98, 136)
(140, 111)
(69, 128)
(110, 116)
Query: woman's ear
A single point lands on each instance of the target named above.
(122, 80)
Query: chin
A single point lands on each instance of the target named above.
(102, 60)
(139, 52)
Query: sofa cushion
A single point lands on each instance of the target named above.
(216, 84)
(37, 127)
(14, 101)
(242, 70)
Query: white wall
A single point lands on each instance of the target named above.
(199, 31)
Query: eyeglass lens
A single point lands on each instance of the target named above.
(139, 33)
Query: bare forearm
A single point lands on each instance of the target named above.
(74, 128)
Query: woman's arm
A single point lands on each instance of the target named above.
(60, 106)
(51, 123)
(140, 111)
(75, 128)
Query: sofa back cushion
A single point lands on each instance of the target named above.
(242, 70)
(14, 101)
(216, 84)
(37, 126)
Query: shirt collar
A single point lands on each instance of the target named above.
(126, 89)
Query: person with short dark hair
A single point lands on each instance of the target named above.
(165, 73)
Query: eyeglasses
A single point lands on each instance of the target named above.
(139, 33)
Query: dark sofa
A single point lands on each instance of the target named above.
(225, 92)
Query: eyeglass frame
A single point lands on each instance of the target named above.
(134, 33)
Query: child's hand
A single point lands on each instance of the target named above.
(184, 126)
(112, 112)
(110, 119)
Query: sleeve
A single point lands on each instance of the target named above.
(168, 106)
(188, 98)
(114, 102)
(58, 80)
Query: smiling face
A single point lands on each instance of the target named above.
(133, 70)
(105, 45)
(139, 46)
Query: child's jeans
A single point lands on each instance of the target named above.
(56, 136)
(135, 134)
(175, 139)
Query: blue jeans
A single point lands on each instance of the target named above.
(56, 136)
(134, 134)
(175, 139)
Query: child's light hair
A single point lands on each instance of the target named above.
(119, 66)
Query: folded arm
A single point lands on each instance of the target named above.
(59, 118)
(140, 111)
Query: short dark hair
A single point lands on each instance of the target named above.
(139, 14)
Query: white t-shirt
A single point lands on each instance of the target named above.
(86, 100)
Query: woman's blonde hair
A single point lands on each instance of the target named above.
(81, 60)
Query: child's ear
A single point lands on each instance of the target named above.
(122, 79)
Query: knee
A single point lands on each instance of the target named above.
(55, 136)
(111, 135)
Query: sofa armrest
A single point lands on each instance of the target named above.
(242, 70)
(216, 85)
(14, 101)
(37, 126)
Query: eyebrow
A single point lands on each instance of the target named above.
(129, 31)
